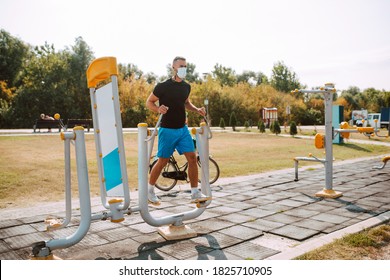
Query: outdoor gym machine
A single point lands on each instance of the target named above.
(112, 169)
(326, 141)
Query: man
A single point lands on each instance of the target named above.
(173, 100)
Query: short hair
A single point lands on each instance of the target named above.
(178, 58)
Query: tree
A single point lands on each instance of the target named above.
(261, 126)
(293, 129)
(226, 76)
(12, 54)
(283, 78)
(54, 82)
(246, 125)
(252, 78)
(222, 123)
(233, 121)
(276, 128)
(79, 58)
(129, 71)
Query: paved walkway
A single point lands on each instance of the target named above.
(265, 216)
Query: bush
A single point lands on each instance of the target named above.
(222, 123)
(271, 127)
(276, 127)
(233, 121)
(293, 128)
(261, 126)
(246, 125)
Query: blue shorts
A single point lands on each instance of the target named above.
(170, 139)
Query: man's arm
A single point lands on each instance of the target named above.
(151, 105)
(191, 107)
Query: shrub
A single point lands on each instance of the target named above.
(233, 121)
(293, 128)
(222, 123)
(246, 125)
(276, 127)
(261, 126)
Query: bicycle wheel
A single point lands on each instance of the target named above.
(164, 183)
(213, 171)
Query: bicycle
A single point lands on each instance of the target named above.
(172, 173)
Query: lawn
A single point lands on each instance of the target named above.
(32, 167)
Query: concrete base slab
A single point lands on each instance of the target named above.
(329, 194)
(50, 257)
(176, 232)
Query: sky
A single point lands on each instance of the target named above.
(346, 42)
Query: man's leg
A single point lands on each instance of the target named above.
(196, 195)
(154, 174)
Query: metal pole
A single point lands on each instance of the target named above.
(328, 141)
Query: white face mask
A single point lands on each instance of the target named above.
(182, 72)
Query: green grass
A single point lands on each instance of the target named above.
(32, 167)
(368, 244)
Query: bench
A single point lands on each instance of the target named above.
(49, 124)
(86, 123)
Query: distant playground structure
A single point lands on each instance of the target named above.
(112, 171)
(326, 141)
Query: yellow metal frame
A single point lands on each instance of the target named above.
(101, 69)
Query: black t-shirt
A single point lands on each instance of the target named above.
(173, 95)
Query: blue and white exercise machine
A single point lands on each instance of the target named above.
(111, 162)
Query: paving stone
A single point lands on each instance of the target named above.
(16, 230)
(273, 197)
(22, 241)
(275, 242)
(239, 197)
(251, 251)
(143, 228)
(115, 250)
(216, 240)
(294, 232)
(34, 219)
(242, 205)
(282, 218)
(330, 218)
(314, 224)
(3, 247)
(183, 250)
(263, 225)
(9, 223)
(116, 234)
(236, 218)
(301, 213)
(242, 232)
(256, 213)
(215, 255)
(204, 216)
(149, 255)
(213, 224)
(345, 212)
(10, 255)
(219, 194)
(62, 232)
(259, 201)
(317, 207)
(291, 202)
(277, 208)
(223, 210)
(90, 240)
(99, 226)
